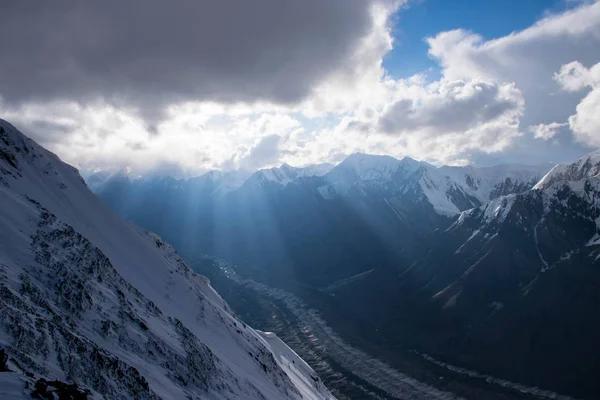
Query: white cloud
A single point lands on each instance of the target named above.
(529, 58)
(364, 84)
(518, 57)
(546, 131)
(265, 152)
(446, 107)
(197, 138)
(585, 123)
(441, 121)
(574, 76)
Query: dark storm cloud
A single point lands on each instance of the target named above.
(45, 132)
(145, 54)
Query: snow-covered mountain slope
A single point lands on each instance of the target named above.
(371, 167)
(568, 209)
(446, 196)
(586, 167)
(449, 190)
(488, 183)
(87, 297)
(231, 181)
(568, 190)
(389, 177)
(285, 174)
(316, 169)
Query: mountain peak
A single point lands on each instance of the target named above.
(370, 166)
(364, 157)
(587, 166)
(409, 160)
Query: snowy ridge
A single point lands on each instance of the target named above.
(401, 177)
(296, 366)
(488, 183)
(573, 199)
(224, 182)
(90, 298)
(586, 167)
(441, 191)
(286, 174)
(371, 167)
(587, 191)
(495, 211)
(449, 190)
(454, 189)
(579, 179)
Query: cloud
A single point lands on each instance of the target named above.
(203, 86)
(546, 131)
(441, 121)
(528, 58)
(148, 54)
(265, 152)
(197, 139)
(489, 90)
(585, 123)
(574, 76)
(446, 107)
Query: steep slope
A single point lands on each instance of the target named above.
(520, 274)
(89, 298)
(509, 289)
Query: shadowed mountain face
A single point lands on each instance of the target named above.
(467, 265)
(508, 288)
(368, 211)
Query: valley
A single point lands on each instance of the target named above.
(345, 368)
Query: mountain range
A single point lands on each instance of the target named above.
(448, 189)
(487, 269)
(351, 216)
